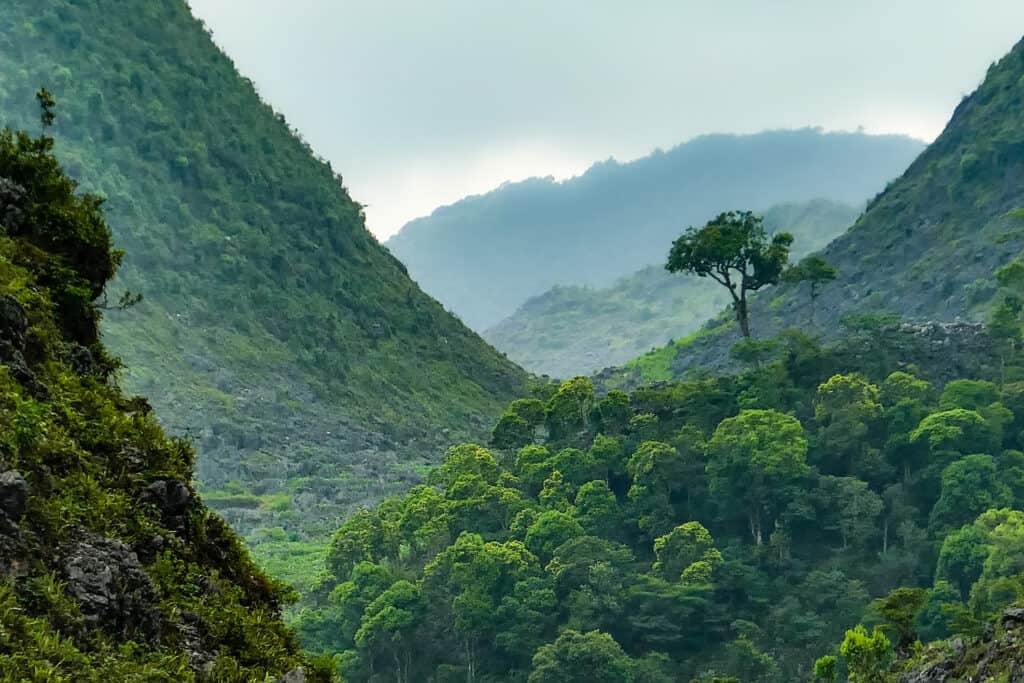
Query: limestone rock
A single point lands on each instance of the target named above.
(13, 495)
(107, 580)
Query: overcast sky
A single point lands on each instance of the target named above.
(419, 103)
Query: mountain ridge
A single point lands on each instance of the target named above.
(574, 231)
(274, 330)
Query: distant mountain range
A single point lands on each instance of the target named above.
(573, 330)
(925, 249)
(484, 256)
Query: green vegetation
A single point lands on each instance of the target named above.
(926, 247)
(573, 329)
(486, 255)
(110, 566)
(734, 526)
(735, 251)
(275, 333)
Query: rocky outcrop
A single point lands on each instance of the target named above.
(999, 656)
(13, 502)
(172, 498)
(13, 495)
(13, 328)
(107, 580)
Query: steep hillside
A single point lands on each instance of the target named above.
(484, 256)
(310, 371)
(111, 567)
(575, 330)
(927, 246)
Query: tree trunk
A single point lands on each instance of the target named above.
(814, 295)
(755, 526)
(742, 316)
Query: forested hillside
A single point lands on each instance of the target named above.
(111, 567)
(275, 332)
(729, 526)
(925, 248)
(572, 330)
(484, 256)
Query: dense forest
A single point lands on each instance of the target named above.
(730, 526)
(484, 256)
(572, 330)
(275, 333)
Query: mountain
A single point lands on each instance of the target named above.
(111, 567)
(485, 255)
(574, 330)
(275, 332)
(925, 248)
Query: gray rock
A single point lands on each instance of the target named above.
(107, 580)
(81, 360)
(1013, 616)
(172, 498)
(13, 322)
(13, 495)
(169, 495)
(11, 200)
(295, 676)
(939, 672)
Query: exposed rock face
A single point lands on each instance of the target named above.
(11, 196)
(172, 498)
(13, 327)
(107, 580)
(996, 657)
(13, 495)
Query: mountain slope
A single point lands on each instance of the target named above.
(484, 256)
(111, 568)
(275, 331)
(925, 248)
(574, 330)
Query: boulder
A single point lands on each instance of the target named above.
(13, 495)
(172, 498)
(107, 580)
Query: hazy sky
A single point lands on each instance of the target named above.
(421, 102)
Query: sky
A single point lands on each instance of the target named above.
(419, 104)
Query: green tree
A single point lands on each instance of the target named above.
(867, 656)
(815, 271)
(899, 611)
(970, 486)
(568, 411)
(597, 509)
(389, 627)
(826, 669)
(849, 414)
(962, 557)
(658, 473)
(734, 250)
(551, 529)
(465, 584)
(575, 657)
(684, 547)
(755, 461)
(856, 507)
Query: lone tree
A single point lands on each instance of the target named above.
(812, 269)
(735, 251)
